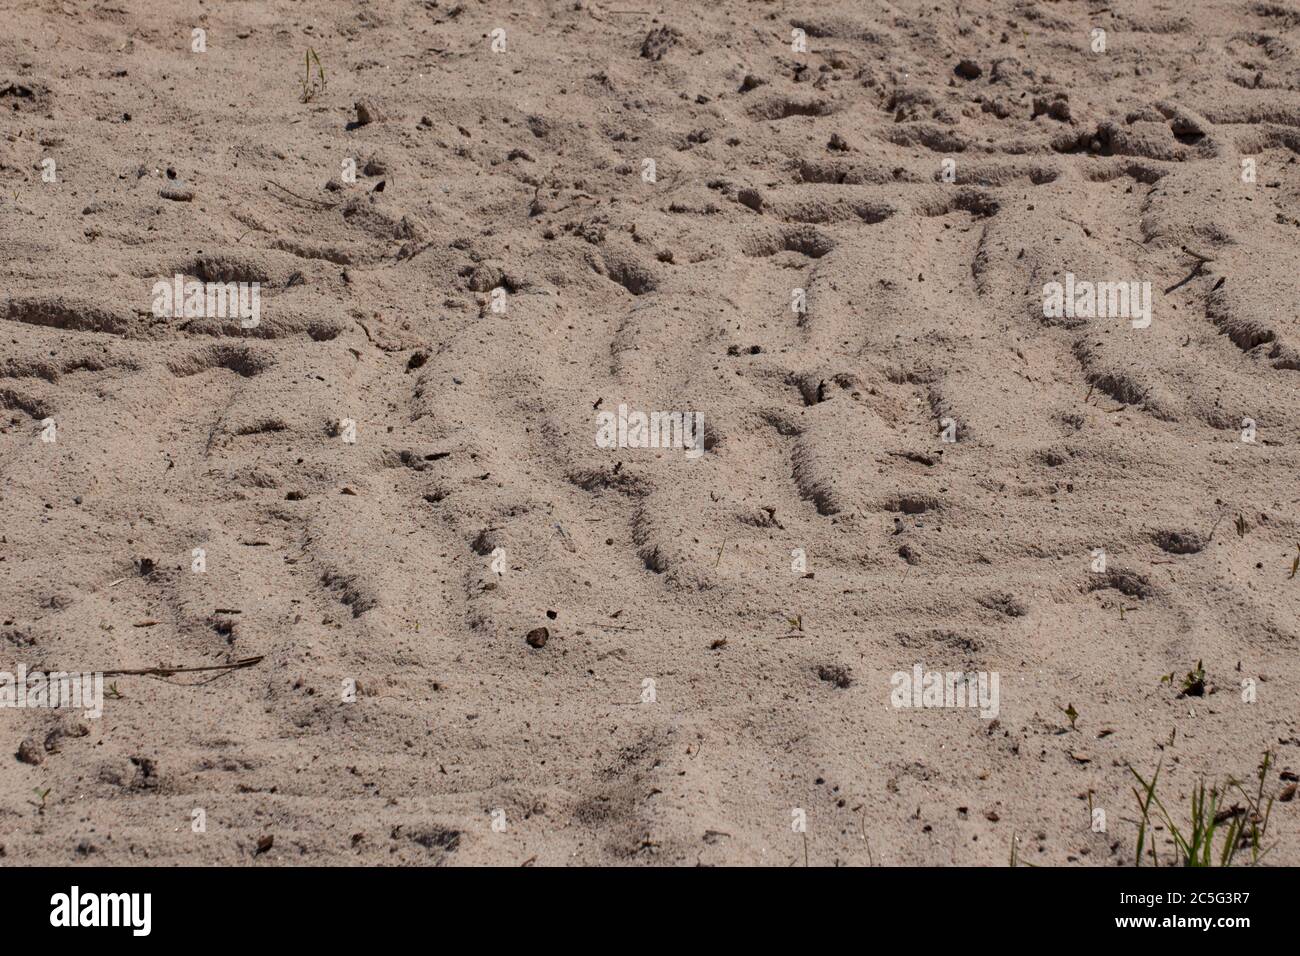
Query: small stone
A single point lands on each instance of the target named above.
(538, 637)
(969, 70)
(367, 112)
(30, 751)
(177, 192)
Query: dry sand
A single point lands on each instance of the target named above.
(656, 576)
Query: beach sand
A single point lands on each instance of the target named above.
(826, 229)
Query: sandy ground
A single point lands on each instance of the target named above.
(700, 691)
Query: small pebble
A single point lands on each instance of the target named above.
(30, 751)
(177, 192)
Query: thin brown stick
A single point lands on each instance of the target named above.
(169, 671)
(1197, 270)
(322, 205)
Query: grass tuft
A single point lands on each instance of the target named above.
(311, 85)
(1231, 829)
